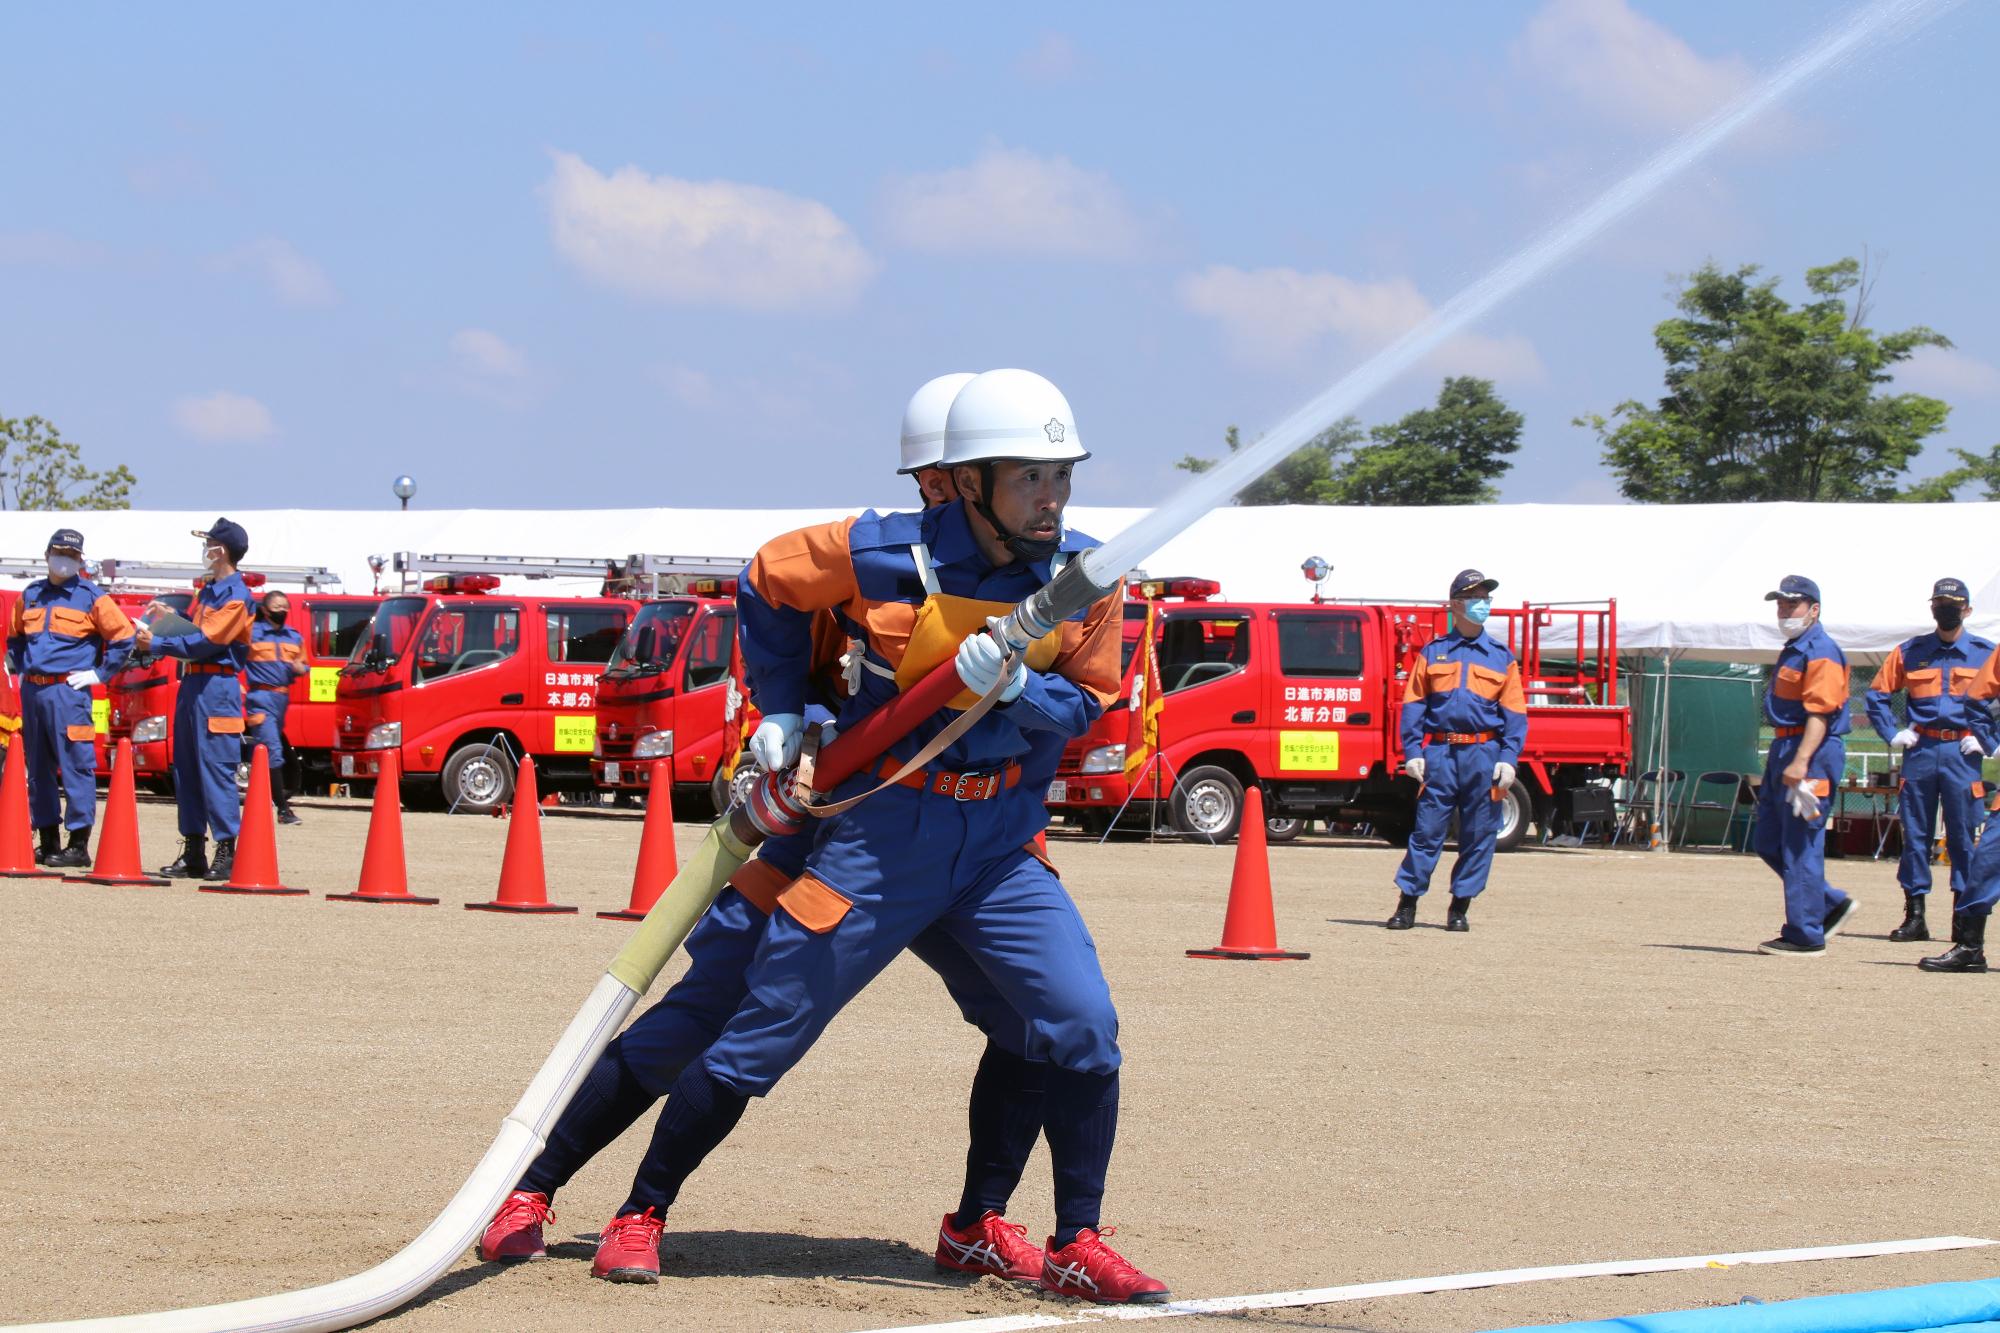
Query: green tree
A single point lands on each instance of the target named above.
(1300, 479)
(1770, 402)
(1982, 468)
(39, 469)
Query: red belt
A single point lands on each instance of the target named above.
(1466, 737)
(37, 678)
(1783, 733)
(1941, 733)
(958, 786)
(209, 669)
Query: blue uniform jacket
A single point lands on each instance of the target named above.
(58, 628)
(277, 656)
(1465, 686)
(221, 612)
(1936, 679)
(1810, 677)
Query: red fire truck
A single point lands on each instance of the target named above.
(665, 695)
(463, 681)
(1304, 699)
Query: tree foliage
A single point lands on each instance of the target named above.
(1767, 401)
(39, 469)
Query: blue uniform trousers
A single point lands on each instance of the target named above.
(208, 744)
(270, 733)
(1937, 778)
(60, 770)
(901, 863)
(1795, 848)
(1458, 779)
(1982, 878)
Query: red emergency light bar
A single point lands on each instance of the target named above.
(713, 587)
(1194, 590)
(249, 580)
(462, 583)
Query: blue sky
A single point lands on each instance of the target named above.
(641, 255)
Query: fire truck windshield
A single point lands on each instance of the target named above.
(653, 639)
(388, 634)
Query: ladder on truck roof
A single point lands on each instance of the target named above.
(171, 573)
(667, 573)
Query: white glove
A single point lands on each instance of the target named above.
(1415, 767)
(827, 731)
(979, 661)
(1503, 776)
(84, 679)
(1903, 739)
(775, 743)
(1969, 746)
(1804, 804)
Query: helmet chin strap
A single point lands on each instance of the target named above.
(1030, 549)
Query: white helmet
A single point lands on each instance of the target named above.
(1011, 414)
(923, 421)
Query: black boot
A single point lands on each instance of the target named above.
(1454, 917)
(192, 863)
(1968, 948)
(76, 856)
(50, 843)
(225, 861)
(1406, 913)
(285, 815)
(1913, 927)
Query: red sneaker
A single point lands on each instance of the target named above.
(515, 1233)
(1090, 1270)
(990, 1245)
(630, 1250)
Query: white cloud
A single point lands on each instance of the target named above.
(1622, 63)
(1052, 59)
(487, 355)
(710, 243)
(691, 387)
(1941, 370)
(292, 277)
(1280, 314)
(1012, 201)
(222, 417)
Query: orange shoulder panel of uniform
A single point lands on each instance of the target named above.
(263, 650)
(1889, 676)
(1825, 687)
(1418, 685)
(228, 623)
(14, 625)
(811, 569)
(1089, 653)
(1986, 684)
(110, 619)
(292, 652)
(1512, 697)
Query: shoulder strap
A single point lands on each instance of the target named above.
(928, 576)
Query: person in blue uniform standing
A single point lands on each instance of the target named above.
(1944, 737)
(1806, 706)
(1463, 723)
(277, 658)
(1982, 881)
(65, 636)
(208, 716)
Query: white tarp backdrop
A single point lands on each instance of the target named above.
(1689, 579)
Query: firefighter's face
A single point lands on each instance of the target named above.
(1028, 498)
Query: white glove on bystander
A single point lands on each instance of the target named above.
(775, 743)
(84, 679)
(1968, 745)
(1415, 767)
(979, 660)
(1903, 739)
(1804, 804)
(1503, 776)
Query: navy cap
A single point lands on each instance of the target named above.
(67, 539)
(1793, 587)
(1472, 581)
(1952, 590)
(229, 536)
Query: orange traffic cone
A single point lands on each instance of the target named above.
(118, 837)
(657, 859)
(256, 866)
(1250, 929)
(17, 840)
(523, 886)
(384, 878)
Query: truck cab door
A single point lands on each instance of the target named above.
(703, 694)
(1326, 695)
(467, 662)
(1210, 684)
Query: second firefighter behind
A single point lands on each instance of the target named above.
(277, 658)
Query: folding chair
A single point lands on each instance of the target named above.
(1726, 808)
(1654, 786)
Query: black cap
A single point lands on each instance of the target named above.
(67, 539)
(1950, 590)
(1792, 587)
(1470, 581)
(229, 536)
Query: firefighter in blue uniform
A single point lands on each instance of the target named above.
(1464, 721)
(1944, 736)
(277, 658)
(65, 636)
(1982, 881)
(1806, 706)
(208, 716)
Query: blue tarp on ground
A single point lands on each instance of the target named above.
(1945, 1307)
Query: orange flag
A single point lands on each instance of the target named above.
(1142, 736)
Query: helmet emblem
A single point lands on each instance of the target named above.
(1054, 430)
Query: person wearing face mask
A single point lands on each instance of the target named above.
(277, 658)
(65, 636)
(1806, 706)
(208, 715)
(1464, 720)
(1945, 735)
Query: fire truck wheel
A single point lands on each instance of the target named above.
(1283, 828)
(1208, 803)
(1514, 820)
(477, 779)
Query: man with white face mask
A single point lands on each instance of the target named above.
(66, 636)
(1806, 706)
(1465, 718)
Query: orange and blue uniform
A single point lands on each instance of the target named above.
(1935, 679)
(277, 658)
(1982, 880)
(55, 629)
(1809, 679)
(1464, 711)
(208, 715)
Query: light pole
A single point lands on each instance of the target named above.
(404, 488)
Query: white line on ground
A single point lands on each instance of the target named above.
(1284, 1300)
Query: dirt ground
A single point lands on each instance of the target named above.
(214, 1097)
